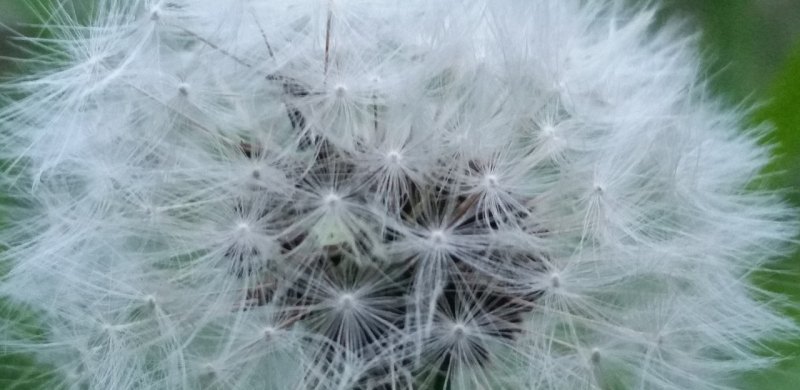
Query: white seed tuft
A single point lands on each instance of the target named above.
(355, 194)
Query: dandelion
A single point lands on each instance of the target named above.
(350, 194)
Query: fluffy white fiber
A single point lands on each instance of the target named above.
(381, 194)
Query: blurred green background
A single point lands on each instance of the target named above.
(752, 52)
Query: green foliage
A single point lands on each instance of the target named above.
(20, 371)
(783, 111)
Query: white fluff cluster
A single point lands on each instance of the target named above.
(380, 194)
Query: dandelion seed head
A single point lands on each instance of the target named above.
(375, 194)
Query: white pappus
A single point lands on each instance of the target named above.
(373, 194)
